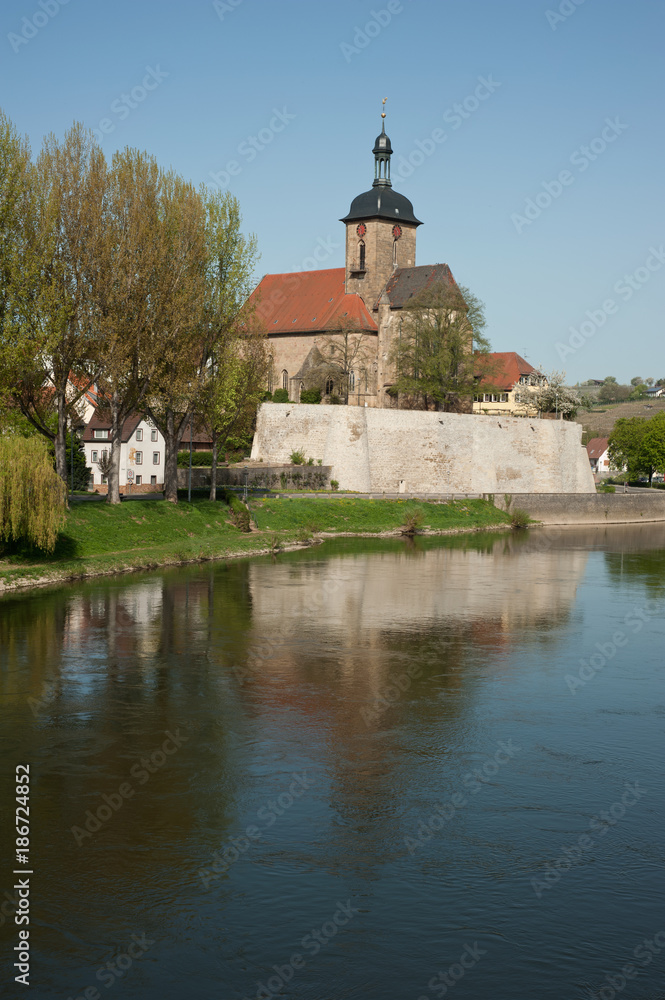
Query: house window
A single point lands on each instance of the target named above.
(361, 256)
(504, 397)
(138, 480)
(138, 457)
(285, 379)
(153, 435)
(155, 458)
(153, 480)
(93, 456)
(100, 435)
(139, 434)
(104, 480)
(329, 386)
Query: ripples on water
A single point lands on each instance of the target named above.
(393, 737)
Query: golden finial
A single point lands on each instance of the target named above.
(383, 102)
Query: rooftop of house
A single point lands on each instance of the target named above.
(597, 447)
(308, 302)
(503, 369)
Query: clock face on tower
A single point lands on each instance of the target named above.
(361, 229)
(397, 232)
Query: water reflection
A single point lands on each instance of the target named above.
(384, 672)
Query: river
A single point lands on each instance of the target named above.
(369, 769)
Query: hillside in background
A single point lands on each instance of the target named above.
(600, 421)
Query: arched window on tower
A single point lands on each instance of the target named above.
(285, 379)
(394, 251)
(361, 256)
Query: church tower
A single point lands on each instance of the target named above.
(380, 230)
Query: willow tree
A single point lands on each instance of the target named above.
(194, 353)
(32, 495)
(48, 352)
(435, 354)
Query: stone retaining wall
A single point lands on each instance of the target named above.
(416, 451)
(576, 508)
(264, 476)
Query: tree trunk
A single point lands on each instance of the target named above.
(113, 478)
(213, 470)
(60, 440)
(171, 457)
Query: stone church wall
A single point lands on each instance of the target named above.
(415, 451)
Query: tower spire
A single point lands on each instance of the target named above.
(382, 153)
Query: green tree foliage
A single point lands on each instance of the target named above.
(639, 445)
(32, 495)
(439, 349)
(611, 392)
(310, 396)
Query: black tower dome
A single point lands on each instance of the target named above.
(381, 202)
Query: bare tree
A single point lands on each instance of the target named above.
(346, 356)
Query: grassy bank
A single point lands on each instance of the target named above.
(98, 539)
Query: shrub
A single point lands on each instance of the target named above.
(240, 516)
(605, 488)
(310, 461)
(32, 495)
(519, 519)
(198, 458)
(310, 396)
(412, 522)
(298, 457)
(334, 484)
(280, 396)
(335, 400)
(266, 397)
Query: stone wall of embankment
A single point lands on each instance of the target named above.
(581, 508)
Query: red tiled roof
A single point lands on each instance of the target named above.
(102, 421)
(308, 301)
(504, 369)
(597, 447)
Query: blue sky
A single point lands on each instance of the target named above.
(557, 241)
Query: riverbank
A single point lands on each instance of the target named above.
(100, 540)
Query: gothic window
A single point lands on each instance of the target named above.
(361, 256)
(352, 381)
(301, 388)
(285, 379)
(270, 389)
(329, 387)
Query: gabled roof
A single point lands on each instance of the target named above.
(102, 421)
(503, 369)
(409, 281)
(597, 447)
(308, 302)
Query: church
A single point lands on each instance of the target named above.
(305, 312)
